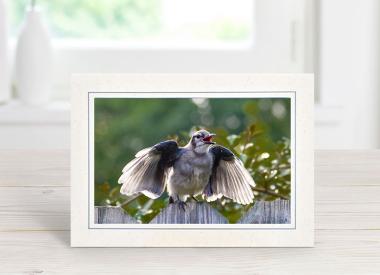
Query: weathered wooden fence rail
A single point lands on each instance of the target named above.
(263, 212)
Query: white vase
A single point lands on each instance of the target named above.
(5, 92)
(33, 64)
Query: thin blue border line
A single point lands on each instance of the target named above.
(209, 228)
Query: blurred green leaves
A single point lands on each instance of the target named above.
(134, 20)
(259, 135)
(95, 19)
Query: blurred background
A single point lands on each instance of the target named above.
(43, 42)
(256, 130)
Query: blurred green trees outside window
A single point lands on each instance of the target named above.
(256, 130)
(198, 22)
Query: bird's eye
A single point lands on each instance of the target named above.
(197, 136)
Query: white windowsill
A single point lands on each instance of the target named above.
(16, 112)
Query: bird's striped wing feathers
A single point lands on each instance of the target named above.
(229, 178)
(146, 173)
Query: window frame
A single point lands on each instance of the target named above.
(281, 44)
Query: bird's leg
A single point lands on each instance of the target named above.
(208, 190)
(171, 200)
(181, 205)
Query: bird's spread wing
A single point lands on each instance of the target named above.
(146, 173)
(229, 178)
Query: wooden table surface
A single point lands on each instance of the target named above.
(35, 224)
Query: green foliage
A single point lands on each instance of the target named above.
(256, 130)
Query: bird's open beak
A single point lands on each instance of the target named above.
(208, 139)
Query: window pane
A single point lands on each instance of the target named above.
(194, 22)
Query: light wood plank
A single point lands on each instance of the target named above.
(195, 213)
(34, 168)
(338, 252)
(47, 208)
(110, 215)
(347, 168)
(268, 212)
(34, 208)
(263, 212)
(36, 197)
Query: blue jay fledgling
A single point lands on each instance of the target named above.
(200, 167)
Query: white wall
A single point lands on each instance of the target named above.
(348, 74)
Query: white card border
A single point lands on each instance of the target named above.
(298, 87)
